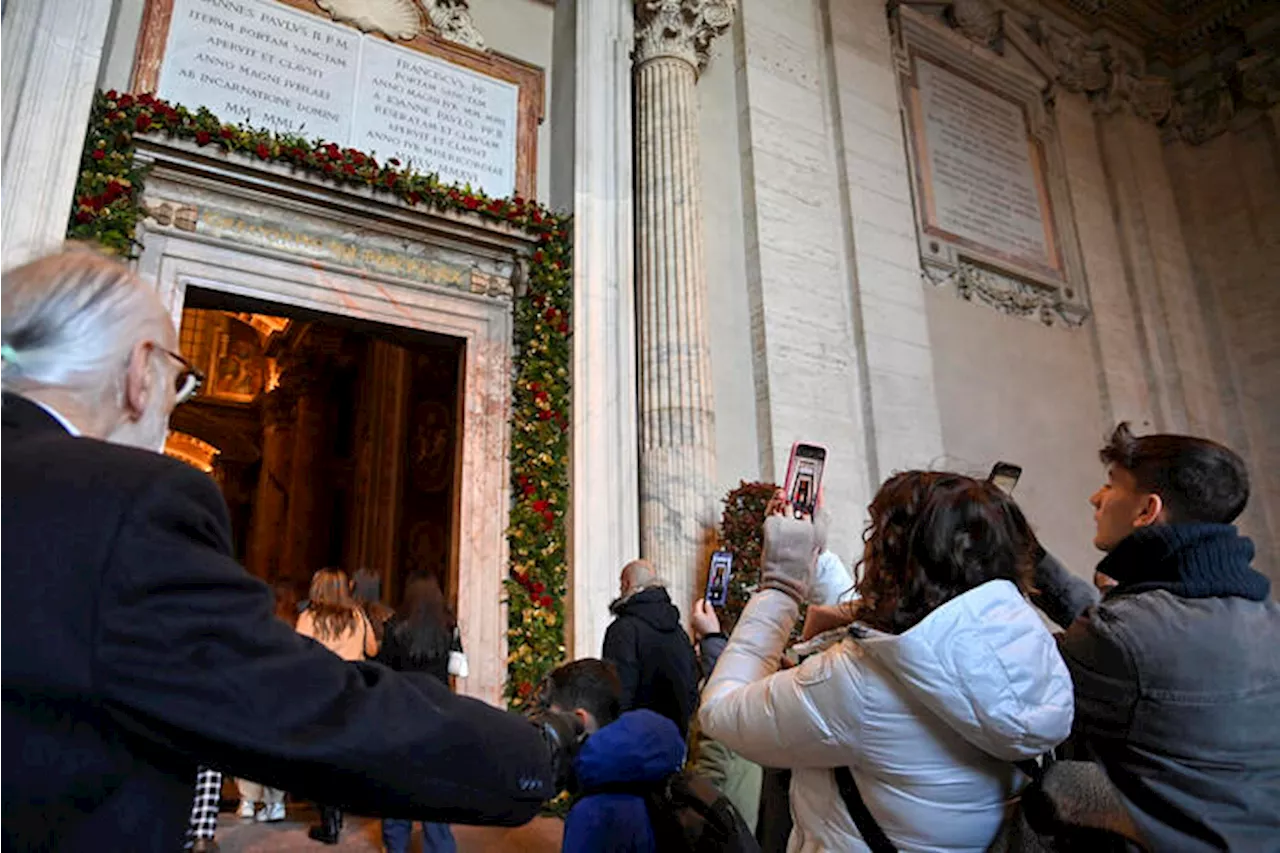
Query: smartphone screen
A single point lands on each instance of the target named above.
(1004, 476)
(718, 578)
(804, 475)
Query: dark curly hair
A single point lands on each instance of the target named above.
(933, 536)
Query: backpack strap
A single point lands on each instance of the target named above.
(872, 835)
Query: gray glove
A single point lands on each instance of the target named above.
(791, 548)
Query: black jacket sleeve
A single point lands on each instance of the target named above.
(190, 658)
(1061, 595)
(710, 647)
(620, 649)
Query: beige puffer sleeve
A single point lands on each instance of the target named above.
(793, 718)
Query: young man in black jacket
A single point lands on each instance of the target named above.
(134, 644)
(1176, 670)
(649, 648)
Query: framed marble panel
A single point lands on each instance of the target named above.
(391, 85)
(993, 210)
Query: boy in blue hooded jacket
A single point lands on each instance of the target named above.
(630, 749)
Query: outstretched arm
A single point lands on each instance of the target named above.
(189, 649)
(1061, 595)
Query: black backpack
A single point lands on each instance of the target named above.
(688, 815)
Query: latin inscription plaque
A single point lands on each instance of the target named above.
(980, 171)
(271, 66)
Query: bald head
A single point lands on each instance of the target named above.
(83, 335)
(638, 575)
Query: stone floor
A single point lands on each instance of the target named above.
(363, 835)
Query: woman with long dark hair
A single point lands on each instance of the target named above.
(336, 621)
(946, 679)
(419, 638)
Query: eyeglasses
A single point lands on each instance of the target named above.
(188, 381)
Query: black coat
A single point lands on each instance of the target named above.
(135, 647)
(654, 657)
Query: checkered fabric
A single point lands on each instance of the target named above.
(204, 810)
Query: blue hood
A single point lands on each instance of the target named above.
(639, 746)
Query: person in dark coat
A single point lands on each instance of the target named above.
(1176, 670)
(420, 638)
(652, 653)
(135, 647)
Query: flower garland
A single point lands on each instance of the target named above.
(107, 211)
(741, 534)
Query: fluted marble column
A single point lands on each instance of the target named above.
(677, 427)
(272, 503)
(52, 50)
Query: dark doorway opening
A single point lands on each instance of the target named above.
(335, 441)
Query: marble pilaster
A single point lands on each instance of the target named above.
(307, 382)
(676, 417)
(52, 50)
(272, 500)
(380, 463)
(605, 520)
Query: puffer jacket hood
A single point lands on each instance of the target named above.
(980, 666)
(652, 606)
(639, 746)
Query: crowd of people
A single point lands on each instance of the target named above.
(930, 705)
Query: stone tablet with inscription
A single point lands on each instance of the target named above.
(267, 65)
(980, 172)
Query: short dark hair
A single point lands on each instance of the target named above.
(589, 684)
(935, 535)
(1198, 480)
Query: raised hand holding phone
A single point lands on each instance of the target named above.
(804, 477)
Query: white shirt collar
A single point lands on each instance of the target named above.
(57, 416)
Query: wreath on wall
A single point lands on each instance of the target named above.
(107, 209)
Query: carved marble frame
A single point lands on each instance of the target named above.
(1009, 287)
(528, 78)
(206, 226)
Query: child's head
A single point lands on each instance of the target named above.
(589, 689)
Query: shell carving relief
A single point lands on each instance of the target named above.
(399, 19)
(405, 19)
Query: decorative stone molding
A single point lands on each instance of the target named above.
(403, 19)
(976, 21)
(452, 18)
(1006, 294)
(680, 29)
(1229, 96)
(1147, 97)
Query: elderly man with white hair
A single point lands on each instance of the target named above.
(135, 646)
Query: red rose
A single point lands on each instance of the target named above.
(84, 217)
(98, 154)
(540, 506)
(111, 95)
(550, 314)
(540, 396)
(349, 168)
(539, 589)
(143, 121)
(125, 101)
(539, 301)
(471, 202)
(546, 601)
(203, 137)
(262, 151)
(538, 256)
(413, 198)
(522, 480)
(525, 688)
(391, 179)
(226, 132)
(529, 489)
(535, 386)
(544, 415)
(394, 162)
(537, 216)
(563, 328)
(146, 98)
(356, 156)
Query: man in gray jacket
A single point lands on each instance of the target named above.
(1177, 668)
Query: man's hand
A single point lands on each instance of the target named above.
(704, 620)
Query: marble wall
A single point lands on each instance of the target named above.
(1228, 192)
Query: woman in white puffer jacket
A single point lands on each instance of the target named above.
(947, 677)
